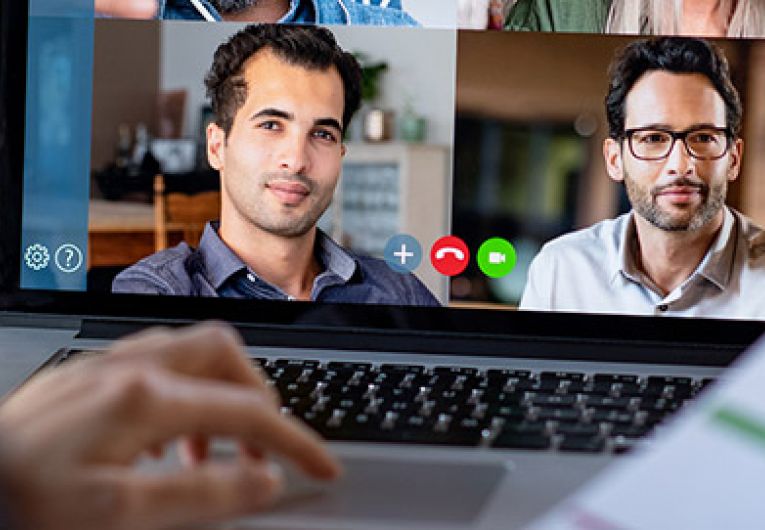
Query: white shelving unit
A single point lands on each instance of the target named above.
(394, 188)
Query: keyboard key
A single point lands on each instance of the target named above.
(654, 418)
(630, 431)
(587, 444)
(301, 363)
(349, 367)
(548, 400)
(615, 378)
(669, 380)
(623, 445)
(559, 376)
(287, 389)
(510, 440)
(578, 429)
(507, 412)
(564, 415)
(504, 375)
(402, 368)
(612, 416)
(455, 370)
(526, 427)
(660, 404)
(605, 402)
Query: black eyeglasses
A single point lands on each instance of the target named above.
(702, 143)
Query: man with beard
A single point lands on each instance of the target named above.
(674, 120)
(282, 97)
(289, 11)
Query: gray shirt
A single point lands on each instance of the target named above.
(214, 269)
(594, 271)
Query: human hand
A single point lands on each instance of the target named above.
(69, 438)
(127, 8)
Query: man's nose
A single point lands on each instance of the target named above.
(293, 155)
(679, 161)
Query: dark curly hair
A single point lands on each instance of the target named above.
(311, 47)
(672, 54)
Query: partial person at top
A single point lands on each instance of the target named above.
(701, 18)
(375, 12)
(282, 96)
(674, 141)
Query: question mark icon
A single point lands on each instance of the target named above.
(68, 258)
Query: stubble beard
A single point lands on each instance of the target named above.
(644, 202)
(232, 6)
(283, 221)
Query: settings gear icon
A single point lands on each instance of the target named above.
(37, 256)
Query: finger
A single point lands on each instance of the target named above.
(210, 350)
(170, 407)
(252, 452)
(127, 8)
(157, 451)
(194, 450)
(209, 492)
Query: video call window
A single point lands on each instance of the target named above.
(473, 134)
(160, 191)
(552, 102)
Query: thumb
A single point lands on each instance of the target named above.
(127, 8)
(209, 492)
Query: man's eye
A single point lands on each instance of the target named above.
(268, 125)
(325, 135)
(703, 138)
(653, 138)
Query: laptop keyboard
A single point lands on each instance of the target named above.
(460, 406)
(513, 409)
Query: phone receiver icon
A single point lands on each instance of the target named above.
(456, 252)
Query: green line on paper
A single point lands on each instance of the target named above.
(753, 428)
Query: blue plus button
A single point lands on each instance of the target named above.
(403, 253)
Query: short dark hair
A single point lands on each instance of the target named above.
(311, 47)
(672, 54)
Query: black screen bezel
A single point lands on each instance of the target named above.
(445, 330)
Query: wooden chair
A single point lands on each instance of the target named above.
(182, 213)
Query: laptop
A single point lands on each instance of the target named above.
(469, 415)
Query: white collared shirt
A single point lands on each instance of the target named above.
(593, 271)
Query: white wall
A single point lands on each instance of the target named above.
(433, 13)
(421, 67)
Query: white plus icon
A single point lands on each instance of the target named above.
(403, 254)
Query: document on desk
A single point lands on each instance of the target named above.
(706, 470)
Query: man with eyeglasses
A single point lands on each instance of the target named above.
(674, 119)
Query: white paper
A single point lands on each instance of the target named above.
(705, 471)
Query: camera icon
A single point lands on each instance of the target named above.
(496, 258)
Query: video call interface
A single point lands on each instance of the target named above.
(492, 163)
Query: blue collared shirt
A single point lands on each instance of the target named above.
(304, 12)
(215, 270)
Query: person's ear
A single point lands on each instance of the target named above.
(342, 150)
(612, 153)
(216, 146)
(736, 154)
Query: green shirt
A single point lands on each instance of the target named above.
(575, 16)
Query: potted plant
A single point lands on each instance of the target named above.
(378, 122)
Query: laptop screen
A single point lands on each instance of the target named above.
(489, 170)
